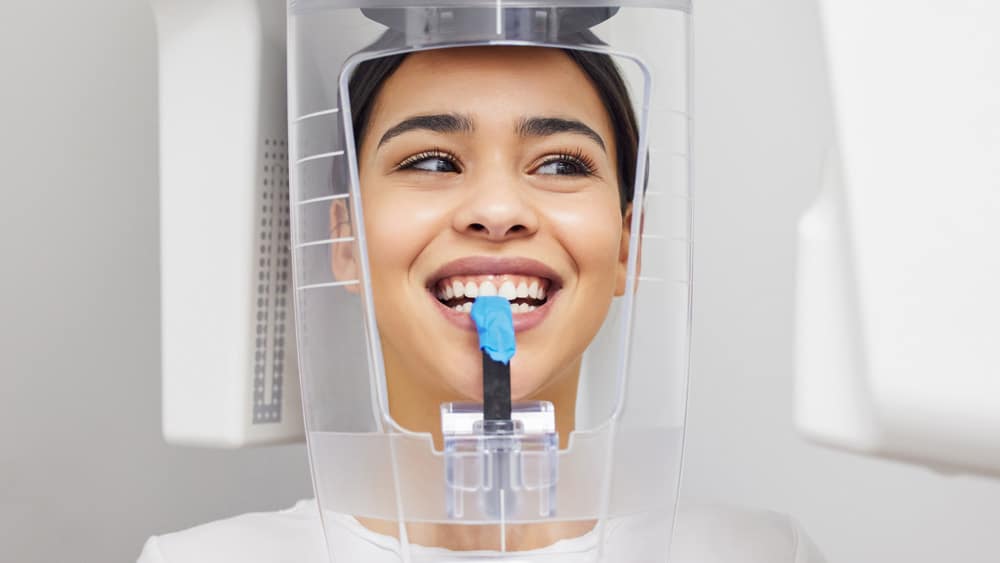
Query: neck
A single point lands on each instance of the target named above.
(561, 392)
(463, 537)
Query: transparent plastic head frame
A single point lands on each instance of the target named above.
(616, 481)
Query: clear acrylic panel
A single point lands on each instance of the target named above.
(610, 490)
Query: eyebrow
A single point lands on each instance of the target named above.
(438, 123)
(545, 126)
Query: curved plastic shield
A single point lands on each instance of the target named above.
(405, 466)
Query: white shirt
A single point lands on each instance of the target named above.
(703, 534)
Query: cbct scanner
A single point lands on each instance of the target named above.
(897, 330)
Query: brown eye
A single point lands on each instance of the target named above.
(434, 165)
(562, 168)
(566, 165)
(430, 161)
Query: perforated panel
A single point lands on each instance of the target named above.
(273, 280)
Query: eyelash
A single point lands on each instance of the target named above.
(576, 156)
(410, 161)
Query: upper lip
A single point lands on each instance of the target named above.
(494, 265)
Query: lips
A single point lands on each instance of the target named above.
(529, 285)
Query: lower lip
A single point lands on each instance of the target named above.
(522, 321)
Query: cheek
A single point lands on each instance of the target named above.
(398, 229)
(590, 231)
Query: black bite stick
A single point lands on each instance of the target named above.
(496, 389)
(499, 446)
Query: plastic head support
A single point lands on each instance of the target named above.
(404, 127)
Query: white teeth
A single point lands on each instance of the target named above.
(519, 308)
(522, 290)
(471, 290)
(533, 290)
(508, 291)
(487, 289)
(467, 307)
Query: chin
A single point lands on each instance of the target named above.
(468, 385)
(465, 377)
(530, 385)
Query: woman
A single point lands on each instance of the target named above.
(510, 172)
(471, 181)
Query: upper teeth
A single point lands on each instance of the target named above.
(507, 286)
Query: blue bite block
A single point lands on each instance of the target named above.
(495, 325)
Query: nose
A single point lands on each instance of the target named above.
(496, 210)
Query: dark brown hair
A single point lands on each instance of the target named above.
(368, 77)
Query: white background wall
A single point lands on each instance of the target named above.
(763, 123)
(84, 475)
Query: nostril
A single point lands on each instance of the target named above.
(482, 229)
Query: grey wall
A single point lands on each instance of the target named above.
(763, 122)
(84, 475)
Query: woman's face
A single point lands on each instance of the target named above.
(488, 170)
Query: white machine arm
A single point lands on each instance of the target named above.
(228, 353)
(898, 351)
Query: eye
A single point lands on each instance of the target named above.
(430, 161)
(566, 164)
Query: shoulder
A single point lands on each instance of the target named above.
(702, 534)
(288, 535)
(726, 534)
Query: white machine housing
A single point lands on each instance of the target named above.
(228, 352)
(898, 351)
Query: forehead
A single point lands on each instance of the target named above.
(491, 84)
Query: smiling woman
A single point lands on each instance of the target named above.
(473, 185)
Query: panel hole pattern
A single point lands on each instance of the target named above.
(273, 281)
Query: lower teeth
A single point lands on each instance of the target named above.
(515, 308)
